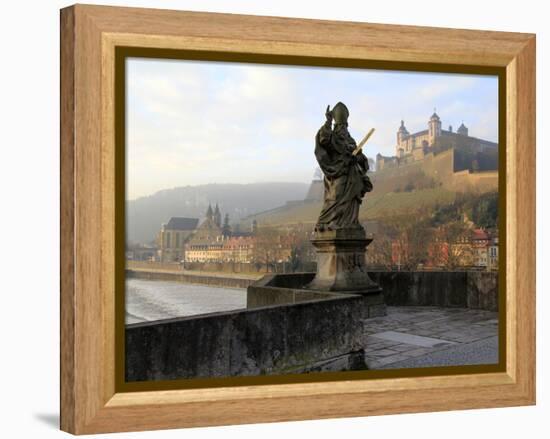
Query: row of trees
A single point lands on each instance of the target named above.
(431, 236)
(274, 246)
(409, 242)
(438, 236)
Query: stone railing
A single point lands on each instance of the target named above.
(212, 279)
(324, 334)
(287, 329)
(473, 289)
(466, 289)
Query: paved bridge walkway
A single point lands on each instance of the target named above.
(416, 336)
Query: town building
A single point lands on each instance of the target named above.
(206, 241)
(480, 246)
(238, 249)
(474, 249)
(492, 259)
(214, 242)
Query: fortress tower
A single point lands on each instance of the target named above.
(402, 134)
(462, 130)
(434, 128)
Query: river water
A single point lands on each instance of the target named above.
(148, 300)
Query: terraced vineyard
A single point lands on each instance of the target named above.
(376, 206)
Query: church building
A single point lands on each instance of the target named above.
(172, 237)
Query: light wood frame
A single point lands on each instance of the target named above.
(89, 36)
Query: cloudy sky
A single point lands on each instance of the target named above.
(195, 122)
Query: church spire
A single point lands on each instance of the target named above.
(209, 213)
(226, 229)
(217, 216)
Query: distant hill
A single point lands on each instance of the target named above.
(146, 215)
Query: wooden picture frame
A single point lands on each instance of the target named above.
(91, 400)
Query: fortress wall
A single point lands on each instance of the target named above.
(390, 179)
(433, 165)
(418, 154)
(478, 181)
(398, 171)
(440, 166)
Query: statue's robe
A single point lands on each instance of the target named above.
(345, 178)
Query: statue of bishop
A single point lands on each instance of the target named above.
(345, 172)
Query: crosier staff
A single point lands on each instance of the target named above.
(360, 146)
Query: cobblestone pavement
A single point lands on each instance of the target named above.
(414, 336)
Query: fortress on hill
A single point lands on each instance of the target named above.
(415, 147)
(452, 159)
(431, 163)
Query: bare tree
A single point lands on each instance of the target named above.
(403, 241)
(379, 252)
(266, 247)
(454, 248)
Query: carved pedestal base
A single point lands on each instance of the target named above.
(341, 262)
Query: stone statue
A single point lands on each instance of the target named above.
(345, 172)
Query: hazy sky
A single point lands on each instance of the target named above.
(196, 122)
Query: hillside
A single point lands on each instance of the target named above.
(375, 206)
(433, 181)
(145, 215)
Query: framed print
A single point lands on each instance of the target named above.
(272, 219)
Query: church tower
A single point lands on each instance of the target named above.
(209, 213)
(217, 216)
(226, 229)
(434, 128)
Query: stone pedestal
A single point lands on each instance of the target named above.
(341, 262)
